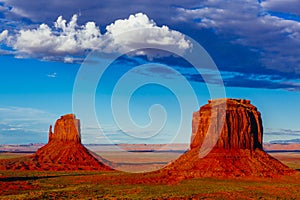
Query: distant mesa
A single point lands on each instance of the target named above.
(64, 151)
(235, 151)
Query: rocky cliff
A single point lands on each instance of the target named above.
(226, 141)
(242, 124)
(66, 129)
(63, 151)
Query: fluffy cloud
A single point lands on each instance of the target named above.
(63, 38)
(145, 31)
(3, 35)
(69, 38)
(249, 24)
(251, 38)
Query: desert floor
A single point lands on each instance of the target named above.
(116, 185)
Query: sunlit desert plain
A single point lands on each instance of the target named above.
(119, 185)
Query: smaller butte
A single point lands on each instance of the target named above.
(63, 151)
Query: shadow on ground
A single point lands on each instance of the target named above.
(30, 178)
(12, 179)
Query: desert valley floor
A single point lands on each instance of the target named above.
(116, 185)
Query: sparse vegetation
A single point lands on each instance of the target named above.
(89, 185)
(115, 185)
(12, 155)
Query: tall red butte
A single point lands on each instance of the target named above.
(238, 149)
(64, 151)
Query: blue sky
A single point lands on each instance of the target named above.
(44, 44)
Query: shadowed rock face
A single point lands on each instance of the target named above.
(237, 146)
(242, 127)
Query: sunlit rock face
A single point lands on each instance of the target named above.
(226, 141)
(66, 129)
(241, 127)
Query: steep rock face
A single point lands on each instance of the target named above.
(242, 124)
(232, 128)
(66, 129)
(64, 151)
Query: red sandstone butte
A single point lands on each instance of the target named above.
(237, 149)
(63, 151)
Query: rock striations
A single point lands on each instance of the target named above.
(63, 151)
(241, 122)
(67, 130)
(226, 141)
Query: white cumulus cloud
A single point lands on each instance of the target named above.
(3, 35)
(139, 29)
(67, 39)
(63, 38)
